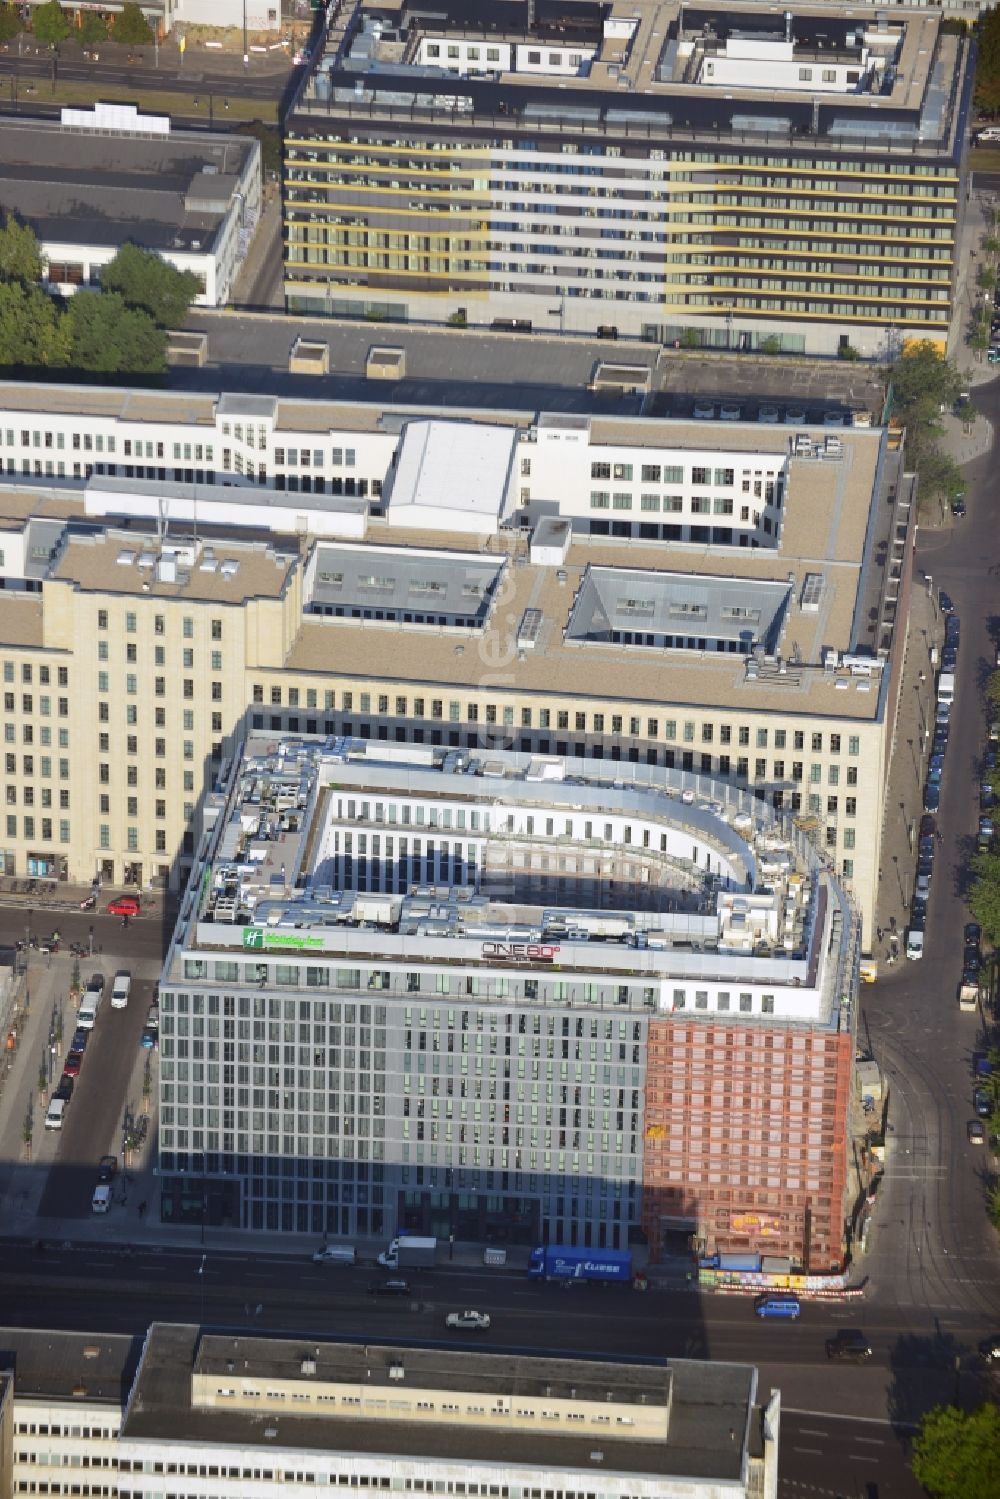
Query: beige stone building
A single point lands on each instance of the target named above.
(134, 655)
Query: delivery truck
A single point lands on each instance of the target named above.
(408, 1253)
(564, 1262)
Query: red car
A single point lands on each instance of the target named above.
(125, 905)
(73, 1064)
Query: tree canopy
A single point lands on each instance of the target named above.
(987, 95)
(956, 1453)
(10, 22)
(20, 257)
(50, 24)
(148, 284)
(923, 382)
(93, 28)
(109, 337)
(131, 27)
(32, 331)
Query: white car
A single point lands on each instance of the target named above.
(478, 1320)
(914, 945)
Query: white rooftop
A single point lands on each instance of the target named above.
(451, 476)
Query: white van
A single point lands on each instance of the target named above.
(335, 1254)
(120, 989)
(101, 1200)
(56, 1114)
(86, 1015)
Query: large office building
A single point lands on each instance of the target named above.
(720, 597)
(97, 1416)
(739, 176)
(523, 998)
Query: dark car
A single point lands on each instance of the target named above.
(940, 741)
(952, 630)
(850, 1345)
(987, 798)
(928, 826)
(949, 658)
(982, 1102)
(990, 760)
(989, 1350)
(106, 1168)
(389, 1288)
(80, 1039)
(932, 798)
(72, 1064)
(65, 1088)
(958, 507)
(973, 933)
(944, 599)
(926, 848)
(972, 959)
(150, 1038)
(935, 769)
(918, 914)
(970, 975)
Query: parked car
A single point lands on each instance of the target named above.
(945, 602)
(972, 961)
(935, 769)
(989, 1350)
(928, 825)
(949, 658)
(970, 975)
(918, 912)
(987, 797)
(990, 759)
(975, 1132)
(65, 1088)
(958, 506)
(915, 943)
(932, 798)
(72, 1064)
(106, 1167)
(973, 933)
(940, 741)
(150, 1038)
(478, 1320)
(80, 1038)
(922, 888)
(982, 1102)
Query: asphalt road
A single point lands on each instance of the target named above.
(193, 79)
(936, 1250)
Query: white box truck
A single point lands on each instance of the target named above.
(946, 687)
(405, 1253)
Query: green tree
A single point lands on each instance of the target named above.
(690, 338)
(984, 896)
(956, 1453)
(987, 93)
(979, 339)
(923, 381)
(939, 476)
(771, 344)
(93, 28)
(33, 331)
(270, 145)
(966, 413)
(50, 25)
(132, 28)
(147, 283)
(109, 337)
(848, 352)
(993, 1205)
(10, 23)
(20, 257)
(986, 280)
(991, 246)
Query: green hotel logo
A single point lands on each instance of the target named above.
(257, 939)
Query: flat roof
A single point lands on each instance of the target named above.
(91, 187)
(743, 612)
(451, 470)
(127, 562)
(710, 1404)
(637, 75)
(70, 1366)
(830, 561)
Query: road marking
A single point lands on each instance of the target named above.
(862, 1457)
(812, 1451)
(791, 1410)
(808, 1431)
(871, 1441)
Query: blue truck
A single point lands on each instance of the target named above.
(564, 1262)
